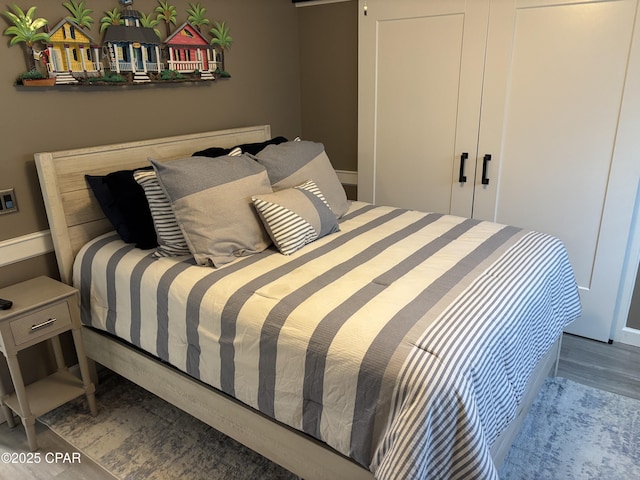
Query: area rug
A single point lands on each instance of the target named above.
(572, 432)
(575, 432)
(139, 436)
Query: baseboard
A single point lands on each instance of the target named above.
(310, 3)
(628, 336)
(17, 249)
(347, 177)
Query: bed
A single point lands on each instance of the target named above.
(400, 344)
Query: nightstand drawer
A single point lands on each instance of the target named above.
(41, 323)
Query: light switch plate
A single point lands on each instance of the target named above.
(8, 201)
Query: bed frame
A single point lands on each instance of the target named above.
(75, 218)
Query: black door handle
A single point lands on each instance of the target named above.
(487, 158)
(462, 178)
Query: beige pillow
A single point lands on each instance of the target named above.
(292, 163)
(211, 199)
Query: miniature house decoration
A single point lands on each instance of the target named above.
(190, 51)
(71, 51)
(131, 50)
(132, 47)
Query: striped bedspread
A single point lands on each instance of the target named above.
(404, 341)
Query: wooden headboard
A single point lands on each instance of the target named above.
(73, 212)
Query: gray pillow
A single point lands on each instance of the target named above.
(292, 163)
(295, 216)
(211, 199)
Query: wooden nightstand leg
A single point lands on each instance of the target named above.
(93, 372)
(28, 420)
(89, 388)
(57, 351)
(8, 414)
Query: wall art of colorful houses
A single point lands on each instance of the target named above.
(128, 51)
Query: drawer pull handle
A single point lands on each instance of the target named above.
(42, 325)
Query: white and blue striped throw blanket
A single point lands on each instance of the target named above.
(405, 341)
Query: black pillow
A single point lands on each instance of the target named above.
(108, 204)
(255, 148)
(124, 203)
(213, 152)
(252, 148)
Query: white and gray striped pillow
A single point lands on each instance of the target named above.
(296, 216)
(171, 241)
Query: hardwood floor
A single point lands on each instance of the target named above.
(614, 367)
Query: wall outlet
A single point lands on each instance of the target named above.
(8, 201)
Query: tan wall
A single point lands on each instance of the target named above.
(264, 88)
(329, 79)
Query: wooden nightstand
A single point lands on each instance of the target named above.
(42, 309)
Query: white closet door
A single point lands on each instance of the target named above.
(420, 81)
(550, 118)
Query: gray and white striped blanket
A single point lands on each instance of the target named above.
(404, 341)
